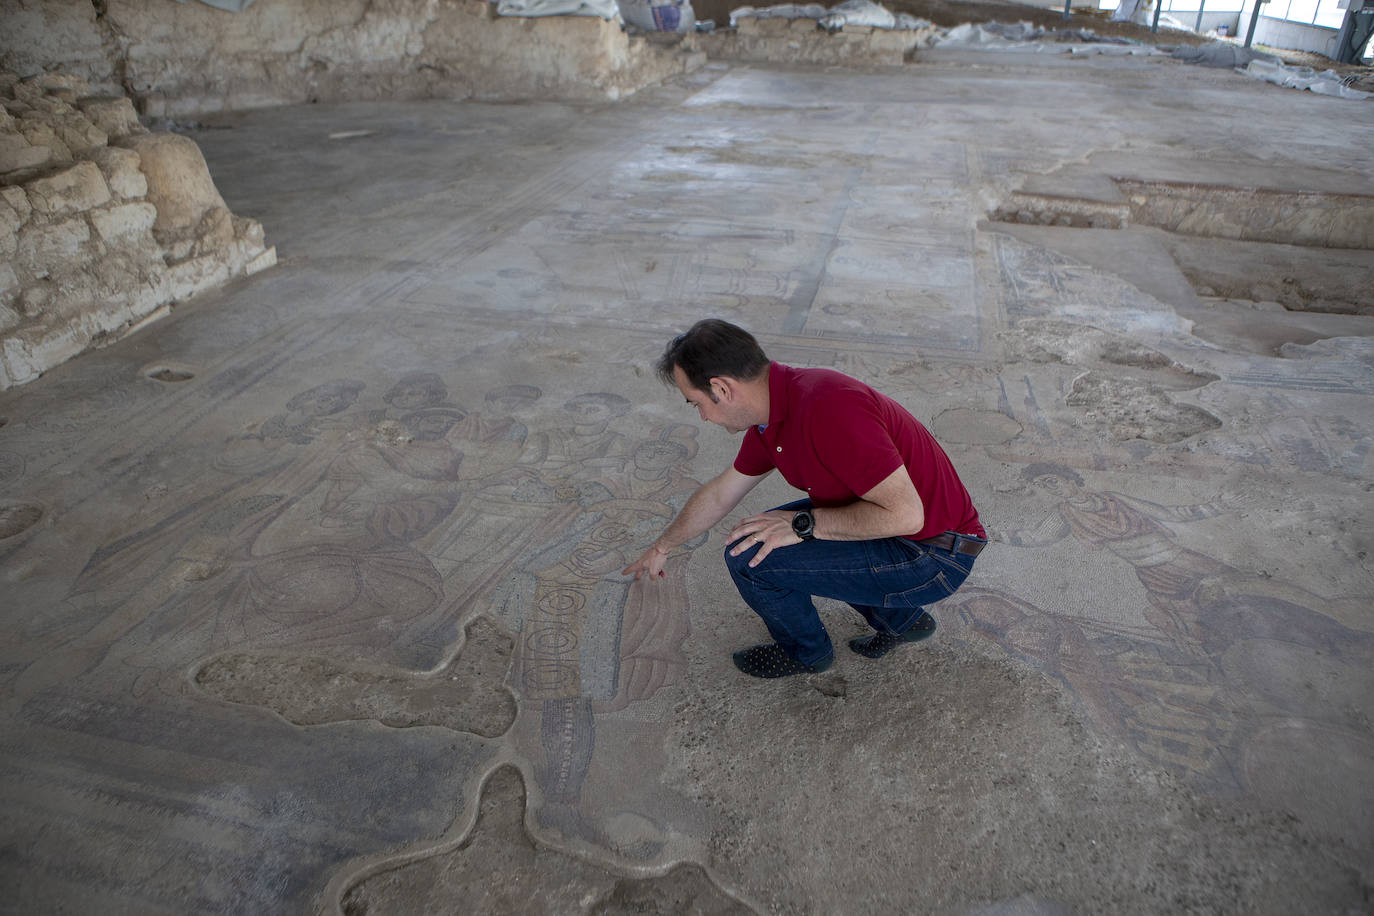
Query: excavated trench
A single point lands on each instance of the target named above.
(1308, 251)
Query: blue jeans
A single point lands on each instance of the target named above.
(888, 581)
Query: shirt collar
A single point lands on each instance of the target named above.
(779, 382)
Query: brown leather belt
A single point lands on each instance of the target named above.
(956, 543)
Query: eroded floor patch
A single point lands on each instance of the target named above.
(1133, 409)
(466, 696)
(973, 779)
(1126, 386)
(533, 878)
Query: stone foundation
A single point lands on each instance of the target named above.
(102, 224)
(182, 59)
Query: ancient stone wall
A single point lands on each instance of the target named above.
(179, 59)
(102, 223)
(780, 40)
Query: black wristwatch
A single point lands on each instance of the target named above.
(804, 525)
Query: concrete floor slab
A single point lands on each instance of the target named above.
(312, 595)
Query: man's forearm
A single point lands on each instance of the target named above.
(706, 506)
(891, 509)
(864, 521)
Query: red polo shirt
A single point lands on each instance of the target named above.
(837, 438)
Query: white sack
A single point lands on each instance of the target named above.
(531, 9)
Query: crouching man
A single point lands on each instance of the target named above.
(886, 525)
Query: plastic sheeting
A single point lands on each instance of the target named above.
(781, 11)
(851, 12)
(229, 6)
(1025, 36)
(1221, 54)
(990, 32)
(1327, 82)
(1267, 67)
(1125, 11)
(605, 9)
(659, 15)
(857, 12)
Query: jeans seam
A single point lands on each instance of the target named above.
(939, 578)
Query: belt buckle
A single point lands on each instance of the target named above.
(960, 539)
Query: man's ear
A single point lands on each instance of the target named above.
(722, 388)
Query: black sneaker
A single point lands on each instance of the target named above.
(876, 645)
(771, 660)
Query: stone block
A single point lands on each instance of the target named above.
(49, 105)
(889, 41)
(179, 182)
(73, 302)
(44, 249)
(40, 133)
(33, 301)
(72, 190)
(114, 115)
(216, 231)
(117, 279)
(176, 250)
(121, 171)
(8, 218)
(123, 222)
(9, 318)
(54, 83)
(9, 241)
(191, 276)
(9, 284)
(27, 90)
(249, 230)
(31, 351)
(261, 262)
(16, 152)
(18, 201)
(17, 364)
(78, 133)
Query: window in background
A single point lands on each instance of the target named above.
(1187, 6)
(1308, 12)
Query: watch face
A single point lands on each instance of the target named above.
(802, 523)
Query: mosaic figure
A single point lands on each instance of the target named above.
(592, 642)
(589, 447)
(135, 576)
(1182, 690)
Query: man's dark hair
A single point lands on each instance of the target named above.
(712, 348)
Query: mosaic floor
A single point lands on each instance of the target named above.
(311, 592)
